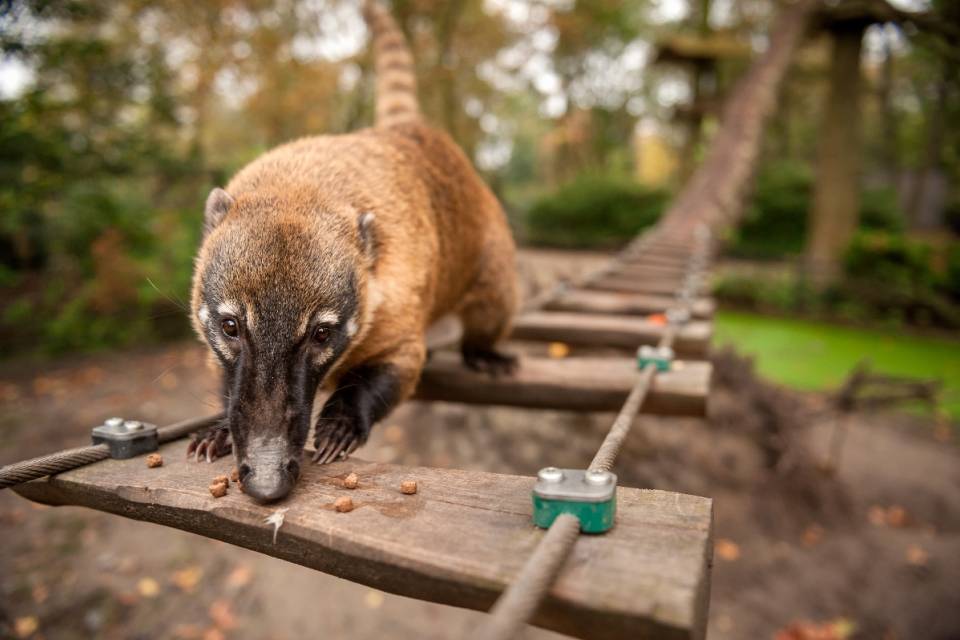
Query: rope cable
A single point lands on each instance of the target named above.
(53, 463)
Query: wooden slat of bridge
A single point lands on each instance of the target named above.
(609, 330)
(626, 284)
(613, 302)
(645, 272)
(459, 541)
(577, 384)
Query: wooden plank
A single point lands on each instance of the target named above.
(573, 384)
(460, 540)
(609, 330)
(587, 301)
(649, 272)
(660, 287)
(656, 259)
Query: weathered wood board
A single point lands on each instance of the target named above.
(627, 284)
(610, 330)
(460, 540)
(573, 384)
(656, 256)
(587, 301)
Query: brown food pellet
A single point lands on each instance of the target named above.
(221, 479)
(154, 460)
(408, 487)
(351, 481)
(235, 475)
(343, 504)
(218, 489)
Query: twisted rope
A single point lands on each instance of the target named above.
(519, 602)
(51, 464)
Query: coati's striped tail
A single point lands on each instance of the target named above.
(396, 96)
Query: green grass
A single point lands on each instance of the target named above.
(817, 356)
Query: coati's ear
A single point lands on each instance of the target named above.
(368, 234)
(218, 204)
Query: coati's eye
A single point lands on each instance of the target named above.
(230, 327)
(321, 334)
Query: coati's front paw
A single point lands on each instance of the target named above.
(489, 361)
(337, 437)
(210, 444)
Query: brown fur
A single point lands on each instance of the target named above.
(288, 233)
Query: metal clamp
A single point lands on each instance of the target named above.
(126, 438)
(659, 357)
(591, 496)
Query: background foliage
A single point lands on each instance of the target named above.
(130, 111)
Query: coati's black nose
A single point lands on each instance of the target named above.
(269, 484)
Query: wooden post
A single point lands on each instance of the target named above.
(836, 199)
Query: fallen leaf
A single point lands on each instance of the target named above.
(727, 549)
(213, 634)
(942, 431)
(148, 587)
(658, 319)
(839, 629)
(40, 594)
(128, 598)
(26, 626)
(186, 579)
(917, 556)
(896, 516)
(373, 599)
(812, 535)
(558, 350)
(877, 516)
(187, 632)
(9, 392)
(222, 615)
(239, 577)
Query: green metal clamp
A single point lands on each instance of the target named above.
(591, 496)
(659, 357)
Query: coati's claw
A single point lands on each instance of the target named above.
(210, 445)
(490, 361)
(342, 439)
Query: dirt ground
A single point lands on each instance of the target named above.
(871, 551)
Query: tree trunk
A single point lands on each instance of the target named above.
(836, 198)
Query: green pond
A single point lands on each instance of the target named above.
(817, 356)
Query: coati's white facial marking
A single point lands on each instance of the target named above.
(352, 327)
(326, 317)
(218, 341)
(204, 314)
(228, 309)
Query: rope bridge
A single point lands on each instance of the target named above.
(466, 538)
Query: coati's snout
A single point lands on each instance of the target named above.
(269, 470)
(270, 385)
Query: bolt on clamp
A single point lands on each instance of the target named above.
(126, 438)
(659, 357)
(589, 495)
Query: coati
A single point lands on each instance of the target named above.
(322, 264)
